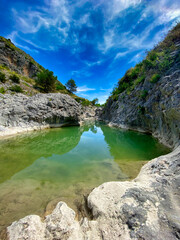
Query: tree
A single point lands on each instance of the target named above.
(71, 85)
(94, 101)
(46, 80)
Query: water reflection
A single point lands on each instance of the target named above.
(63, 164)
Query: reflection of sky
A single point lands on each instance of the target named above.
(92, 145)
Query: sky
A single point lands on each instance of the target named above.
(94, 42)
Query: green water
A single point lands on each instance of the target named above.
(39, 169)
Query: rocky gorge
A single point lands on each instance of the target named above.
(144, 208)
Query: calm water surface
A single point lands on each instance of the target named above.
(41, 168)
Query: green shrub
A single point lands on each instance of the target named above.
(140, 79)
(147, 64)
(14, 78)
(46, 80)
(165, 63)
(152, 56)
(83, 101)
(144, 94)
(115, 97)
(2, 77)
(2, 90)
(16, 88)
(155, 78)
(95, 101)
(59, 86)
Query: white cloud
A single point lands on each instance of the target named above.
(13, 36)
(91, 64)
(108, 41)
(121, 54)
(139, 56)
(53, 17)
(85, 89)
(114, 7)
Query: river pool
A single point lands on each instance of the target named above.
(38, 169)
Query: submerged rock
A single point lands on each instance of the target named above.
(145, 208)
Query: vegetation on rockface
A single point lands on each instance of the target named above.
(12, 47)
(71, 85)
(14, 78)
(59, 86)
(2, 90)
(153, 67)
(16, 88)
(83, 101)
(94, 101)
(86, 102)
(2, 77)
(155, 78)
(46, 81)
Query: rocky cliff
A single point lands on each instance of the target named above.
(17, 60)
(147, 98)
(20, 113)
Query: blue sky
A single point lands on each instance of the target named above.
(94, 42)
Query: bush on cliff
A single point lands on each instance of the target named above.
(46, 81)
(14, 78)
(83, 101)
(59, 86)
(16, 88)
(2, 90)
(2, 77)
(155, 78)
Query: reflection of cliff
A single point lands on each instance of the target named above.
(131, 146)
(21, 151)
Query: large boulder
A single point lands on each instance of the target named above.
(20, 113)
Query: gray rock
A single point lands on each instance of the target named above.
(21, 113)
(158, 113)
(17, 60)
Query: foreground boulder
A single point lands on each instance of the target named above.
(145, 208)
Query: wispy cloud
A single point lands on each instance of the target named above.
(91, 38)
(85, 89)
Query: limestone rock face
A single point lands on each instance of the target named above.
(145, 208)
(20, 113)
(158, 113)
(16, 59)
(29, 227)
